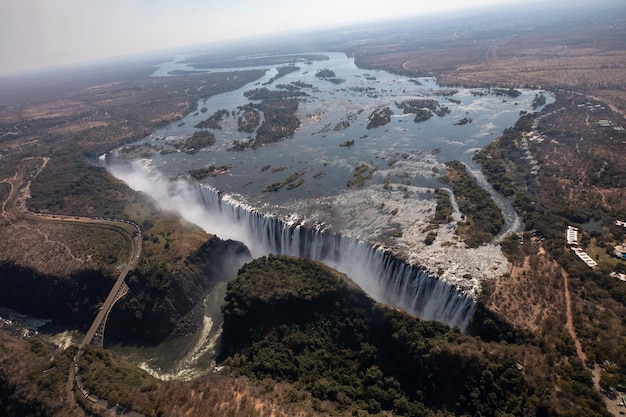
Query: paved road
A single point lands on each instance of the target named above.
(119, 226)
(14, 208)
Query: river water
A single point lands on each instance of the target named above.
(314, 150)
(404, 159)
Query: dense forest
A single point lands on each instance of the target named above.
(162, 297)
(297, 321)
(483, 219)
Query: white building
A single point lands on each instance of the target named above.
(572, 236)
(572, 242)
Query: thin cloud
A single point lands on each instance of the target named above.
(45, 33)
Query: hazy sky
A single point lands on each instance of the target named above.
(46, 33)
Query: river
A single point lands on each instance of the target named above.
(361, 225)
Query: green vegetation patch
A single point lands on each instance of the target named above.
(210, 171)
(379, 117)
(108, 376)
(102, 244)
(292, 181)
(483, 218)
(538, 101)
(195, 143)
(70, 185)
(463, 121)
(216, 61)
(162, 293)
(298, 321)
(282, 71)
(444, 209)
(295, 184)
(280, 121)
(33, 376)
(504, 161)
(410, 106)
(342, 125)
(266, 94)
(214, 121)
(423, 109)
(248, 120)
(329, 75)
(421, 115)
(511, 92)
(430, 237)
(362, 173)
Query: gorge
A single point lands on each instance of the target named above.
(381, 275)
(363, 209)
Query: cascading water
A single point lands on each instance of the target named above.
(378, 273)
(406, 154)
(398, 214)
(381, 275)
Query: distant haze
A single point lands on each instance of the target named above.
(38, 34)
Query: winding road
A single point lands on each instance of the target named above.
(14, 209)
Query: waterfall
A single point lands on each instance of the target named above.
(382, 276)
(378, 273)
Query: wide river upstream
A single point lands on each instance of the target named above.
(363, 162)
(333, 111)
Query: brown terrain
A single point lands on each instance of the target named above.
(103, 116)
(590, 59)
(531, 296)
(91, 119)
(38, 375)
(587, 69)
(538, 294)
(50, 243)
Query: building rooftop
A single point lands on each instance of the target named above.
(572, 235)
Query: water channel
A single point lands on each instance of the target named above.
(333, 112)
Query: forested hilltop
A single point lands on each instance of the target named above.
(298, 322)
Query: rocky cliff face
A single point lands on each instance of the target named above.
(72, 300)
(161, 299)
(164, 300)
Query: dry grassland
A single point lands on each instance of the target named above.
(60, 249)
(532, 296)
(590, 60)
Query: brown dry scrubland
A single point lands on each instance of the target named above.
(590, 65)
(89, 121)
(532, 296)
(37, 373)
(590, 61)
